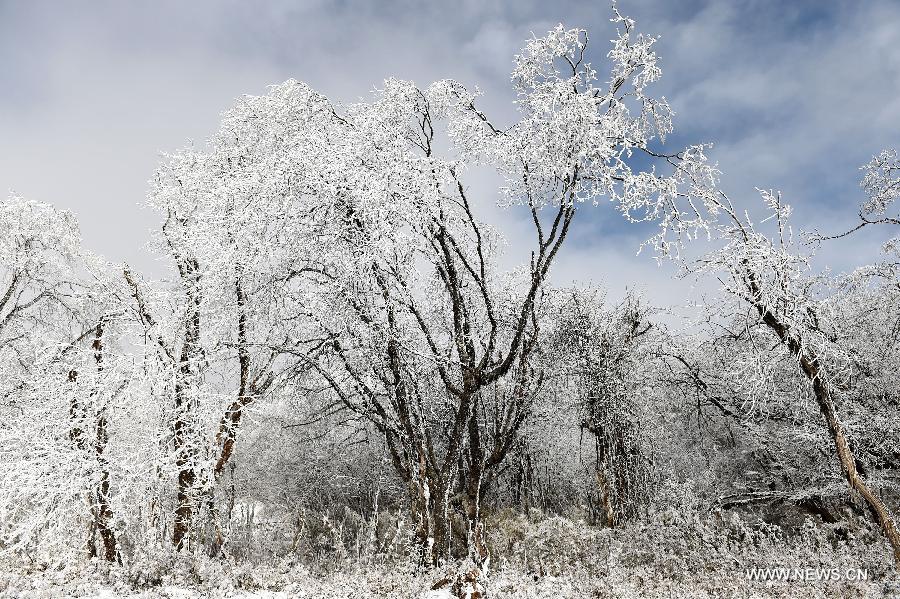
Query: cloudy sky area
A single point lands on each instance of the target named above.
(796, 96)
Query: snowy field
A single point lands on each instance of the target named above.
(564, 560)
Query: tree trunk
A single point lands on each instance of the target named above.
(607, 514)
(184, 454)
(227, 434)
(429, 510)
(185, 512)
(477, 547)
(79, 442)
(103, 511)
(809, 364)
(848, 460)
(186, 384)
(186, 368)
(473, 487)
(231, 419)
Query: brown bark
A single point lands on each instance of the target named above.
(185, 382)
(248, 389)
(185, 407)
(102, 509)
(185, 510)
(608, 513)
(473, 486)
(79, 442)
(811, 368)
(98, 498)
(847, 459)
(227, 434)
(183, 376)
(430, 512)
(76, 412)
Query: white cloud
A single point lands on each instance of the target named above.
(797, 95)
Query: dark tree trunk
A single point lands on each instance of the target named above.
(186, 406)
(103, 511)
(473, 490)
(79, 442)
(430, 512)
(227, 434)
(186, 366)
(231, 419)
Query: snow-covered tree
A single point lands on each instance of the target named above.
(59, 381)
(766, 271)
(422, 324)
(607, 357)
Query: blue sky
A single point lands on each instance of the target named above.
(795, 95)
